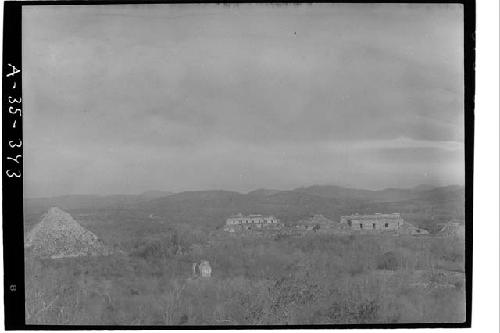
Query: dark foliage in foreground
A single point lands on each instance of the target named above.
(281, 279)
(315, 279)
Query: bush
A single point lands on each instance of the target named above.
(388, 261)
(315, 279)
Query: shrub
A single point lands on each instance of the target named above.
(388, 261)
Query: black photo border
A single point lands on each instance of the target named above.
(12, 167)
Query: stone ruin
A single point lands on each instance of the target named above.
(452, 229)
(202, 269)
(409, 229)
(372, 222)
(350, 224)
(317, 222)
(240, 222)
(377, 223)
(58, 235)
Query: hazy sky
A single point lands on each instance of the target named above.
(123, 99)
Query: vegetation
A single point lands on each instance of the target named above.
(312, 278)
(427, 209)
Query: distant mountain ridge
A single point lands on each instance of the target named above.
(263, 191)
(424, 206)
(156, 194)
(84, 201)
(388, 194)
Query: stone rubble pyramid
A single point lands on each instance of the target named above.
(409, 229)
(324, 222)
(453, 229)
(58, 235)
(320, 219)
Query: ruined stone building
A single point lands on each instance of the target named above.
(380, 223)
(409, 229)
(452, 229)
(375, 222)
(241, 222)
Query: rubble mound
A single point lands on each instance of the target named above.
(452, 229)
(58, 235)
(324, 222)
(320, 219)
(317, 221)
(409, 229)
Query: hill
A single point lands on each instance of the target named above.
(263, 192)
(422, 206)
(385, 195)
(155, 194)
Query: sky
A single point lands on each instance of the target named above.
(130, 98)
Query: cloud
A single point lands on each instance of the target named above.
(270, 90)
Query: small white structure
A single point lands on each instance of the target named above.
(205, 269)
(202, 269)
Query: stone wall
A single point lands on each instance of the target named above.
(375, 222)
(251, 219)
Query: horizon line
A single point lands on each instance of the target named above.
(431, 187)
